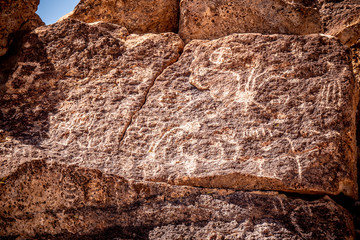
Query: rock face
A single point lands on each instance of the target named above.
(106, 134)
(16, 16)
(74, 90)
(250, 111)
(243, 112)
(155, 16)
(217, 18)
(355, 49)
(50, 201)
(342, 19)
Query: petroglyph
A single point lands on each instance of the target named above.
(233, 87)
(258, 114)
(253, 115)
(73, 101)
(331, 95)
(78, 127)
(258, 132)
(221, 55)
(309, 211)
(235, 112)
(297, 158)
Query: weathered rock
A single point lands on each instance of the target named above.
(217, 18)
(355, 50)
(155, 16)
(243, 112)
(74, 90)
(249, 111)
(51, 201)
(342, 19)
(16, 15)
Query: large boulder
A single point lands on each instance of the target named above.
(249, 111)
(74, 89)
(51, 201)
(155, 16)
(217, 18)
(15, 16)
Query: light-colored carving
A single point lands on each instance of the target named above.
(297, 158)
(256, 132)
(221, 55)
(330, 95)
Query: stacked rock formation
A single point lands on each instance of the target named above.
(182, 120)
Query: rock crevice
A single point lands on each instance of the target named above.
(145, 97)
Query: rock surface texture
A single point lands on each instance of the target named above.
(74, 90)
(50, 201)
(250, 111)
(217, 18)
(112, 128)
(342, 20)
(15, 15)
(226, 115)
(155, 16)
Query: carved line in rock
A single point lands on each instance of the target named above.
(307, 209)
(245, 92)
(245, 95)
(331, 94)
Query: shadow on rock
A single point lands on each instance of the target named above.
(27, 94)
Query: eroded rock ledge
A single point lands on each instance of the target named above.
(213, 19)
(45, 201)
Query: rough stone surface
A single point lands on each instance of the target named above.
(355, 50)
(217, 18)
(51, 201)
(342, 19)
(155, 16)
(247, 111)
(356, 69)
(107, 135)
(250, 111)
(74, 89)
(15, 15)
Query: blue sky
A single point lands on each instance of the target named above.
(51, 10)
